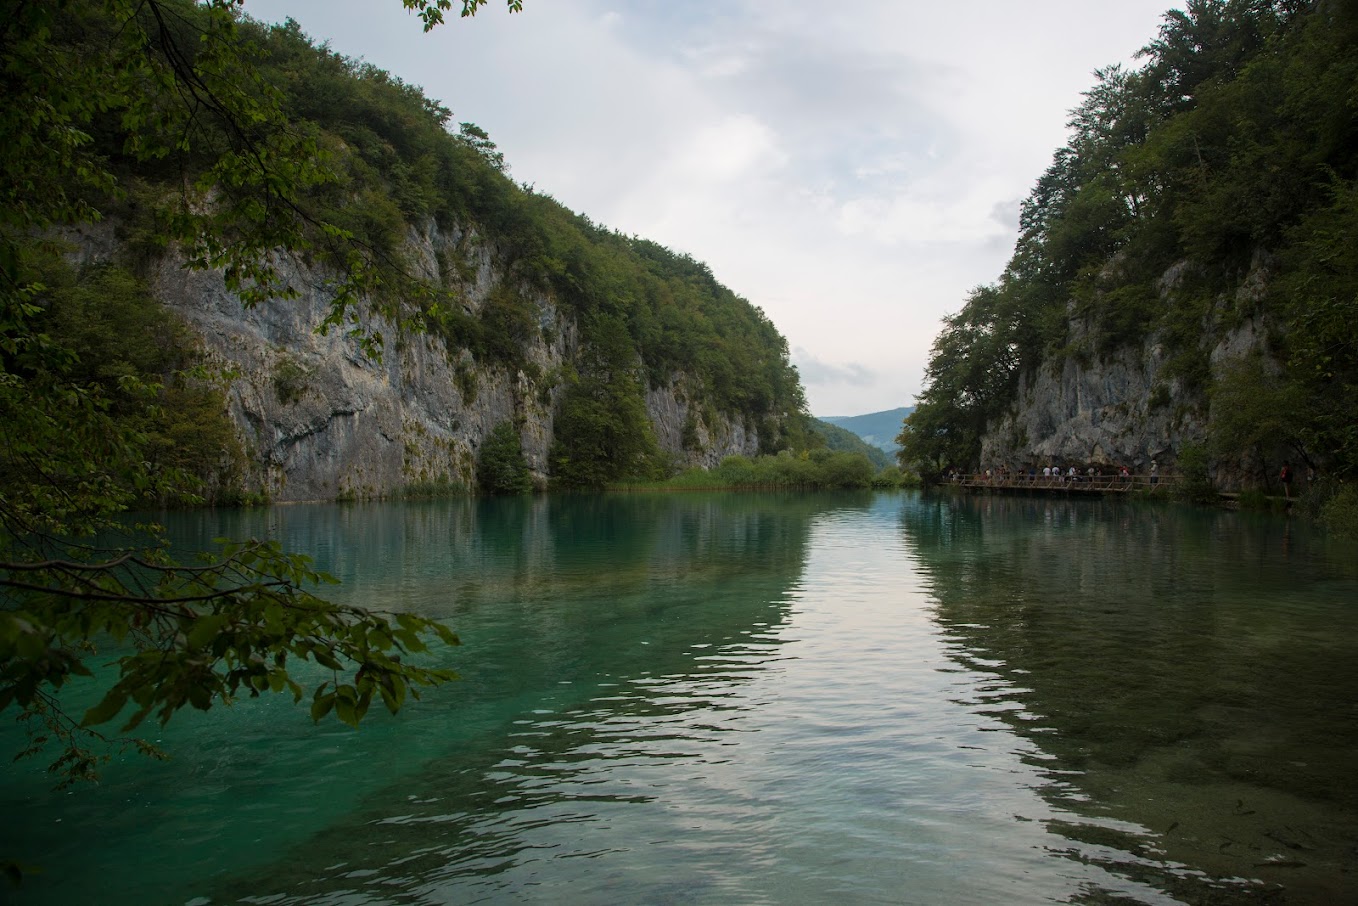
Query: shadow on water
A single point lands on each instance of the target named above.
(1186, 678)
(603, 639)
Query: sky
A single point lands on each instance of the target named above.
(854, 169)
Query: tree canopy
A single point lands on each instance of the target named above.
(1233, 149)
(187, 131)
(160, 116)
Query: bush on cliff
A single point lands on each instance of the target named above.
(500, 467)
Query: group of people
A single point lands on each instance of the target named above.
(1089, 473)
(1051, 475)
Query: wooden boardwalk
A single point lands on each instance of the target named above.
(1080, 484)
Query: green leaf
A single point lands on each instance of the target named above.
(107, 709)
(325, 659)
(135, 720)
(393, 693)
(205, 629)
(200, 697)
(443, 632)
(346, 710)
(321, 706)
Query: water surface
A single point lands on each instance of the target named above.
(761, 698)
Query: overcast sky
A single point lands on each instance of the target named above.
(852, 168)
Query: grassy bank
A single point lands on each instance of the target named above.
(815, 470)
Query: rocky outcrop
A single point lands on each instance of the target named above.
(323, 421)
(1132, 406)
(1103, 411)
(682, 427)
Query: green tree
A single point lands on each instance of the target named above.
(1318, 298)
(500, 467)
(1232, 151)
(1258, 411)
(478, 140)
(603, 431)
(973, 370)
(1194, 484)
(96, 92)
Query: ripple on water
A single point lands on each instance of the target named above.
(889, 699)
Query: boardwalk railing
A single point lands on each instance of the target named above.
(1095, 484)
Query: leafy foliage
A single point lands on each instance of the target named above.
(163, 113)
(1194, 485)
(818, 469)
(1318, 301)
(199, 634)
(1256, 411)
(842, 440)
(1234, 146)
(105, 334)
(396, 162)
(500, 467)
(1340, 513)
(603, 432)
(973, 371)
(236, 147)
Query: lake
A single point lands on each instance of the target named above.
(760, 698)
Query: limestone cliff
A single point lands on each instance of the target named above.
(322, 421)
(1184, 277)
(1134, 405)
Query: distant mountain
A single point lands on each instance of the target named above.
(842, 440)
(877, 428)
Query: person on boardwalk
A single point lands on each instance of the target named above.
(1286, 476)
(1155, 472)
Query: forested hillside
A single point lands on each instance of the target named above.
(1187, 262)
(877, 428)
(842, 440)
(402, 164)
(202, 138)
(232, 260)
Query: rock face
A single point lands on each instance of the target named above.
(681, 430)
(1105, 411)
(321, 421)
(1130, 407)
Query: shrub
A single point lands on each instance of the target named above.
(500, 467)
(1257, 500)
(1194, 485)
(1340, 514)
(290, 380)
(892, 477)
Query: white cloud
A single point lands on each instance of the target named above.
(814, 371)
(907, 218)
(726, 149)
(854, 171)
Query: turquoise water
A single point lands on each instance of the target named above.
(887, 698)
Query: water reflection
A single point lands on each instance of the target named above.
(761, 699)
(1186, 678)
(653, 614)
(607, 643)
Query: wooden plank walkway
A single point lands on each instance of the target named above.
(1080, 484)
